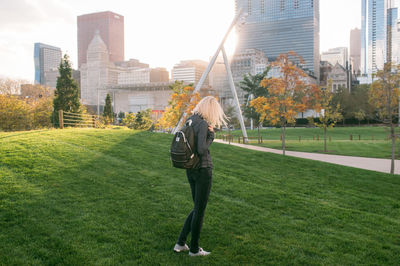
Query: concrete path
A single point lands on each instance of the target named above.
(379, 165)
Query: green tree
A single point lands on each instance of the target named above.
(66, 95)
(108, 112)
(251, 84)
(143, 120)
(360, 115)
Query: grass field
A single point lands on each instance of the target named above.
(107, 197)
(366, 141)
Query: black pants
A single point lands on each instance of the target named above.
(200, 184)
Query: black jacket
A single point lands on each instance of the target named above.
(203, 140)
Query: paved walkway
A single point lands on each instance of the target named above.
(379, 165)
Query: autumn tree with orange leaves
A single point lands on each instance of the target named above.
(328, 113)
(289, 94)
(384, 96)
(182, 101)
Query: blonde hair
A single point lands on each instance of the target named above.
(211, 111)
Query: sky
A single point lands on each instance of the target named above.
(157, 32)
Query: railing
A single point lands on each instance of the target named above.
(76, 119)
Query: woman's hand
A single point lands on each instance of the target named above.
(210, 128)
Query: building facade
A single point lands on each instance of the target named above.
(143, 75)
(380, 29)
(47, 58)
(111, 28)
(280, 26)
(249, 61)
(189, 71)
(132, 88)
(336, 55)
(355, 50)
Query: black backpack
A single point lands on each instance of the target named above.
(183, 148)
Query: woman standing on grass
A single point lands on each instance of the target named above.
(206, 115)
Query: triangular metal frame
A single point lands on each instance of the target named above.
(230, 78)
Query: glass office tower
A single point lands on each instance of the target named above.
(380, 29)
(46, 57)
(280, 26)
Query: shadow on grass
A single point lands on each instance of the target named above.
(112, 197)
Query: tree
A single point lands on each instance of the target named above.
(141, 120)
(182, 100)
(328, 113)
(251, 84)
(15, 114)
(11, 86)
(289, 94)
(67, 92)
(42, 110)
(108, 112)
(233, 121)
(360, 115)
(129, 120)
(384, 95)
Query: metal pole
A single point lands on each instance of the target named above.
(211, 64)
(98, 99)
(235, 98)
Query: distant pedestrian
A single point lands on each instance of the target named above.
(207, 115)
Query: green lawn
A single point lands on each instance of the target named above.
(106, 197)
(366, 141)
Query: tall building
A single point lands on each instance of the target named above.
(111, 28)
(189, 71)
(355, 49)
(131, 84)
(97, 72)
(249, 61)
(336, 55)
(280, 26)
(46, 58)
(380, 29)
(218, 79)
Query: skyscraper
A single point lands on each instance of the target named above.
(380, 30)
(111, 28)
(355, 49)
(46, 58)
(280, 26)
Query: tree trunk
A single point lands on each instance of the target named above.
(393, 147)
(283, 138)
(325, 140)
(259, 133)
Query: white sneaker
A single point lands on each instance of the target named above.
(201, 252)
(178, 248)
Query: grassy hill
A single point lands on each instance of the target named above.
(84, 197)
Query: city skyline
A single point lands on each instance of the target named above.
(161, 40)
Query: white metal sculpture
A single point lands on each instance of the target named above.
(239, 19)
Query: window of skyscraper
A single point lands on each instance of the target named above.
(262, 6)
(296, 4)
(282, 5)
(312, 3)
(249, 7)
